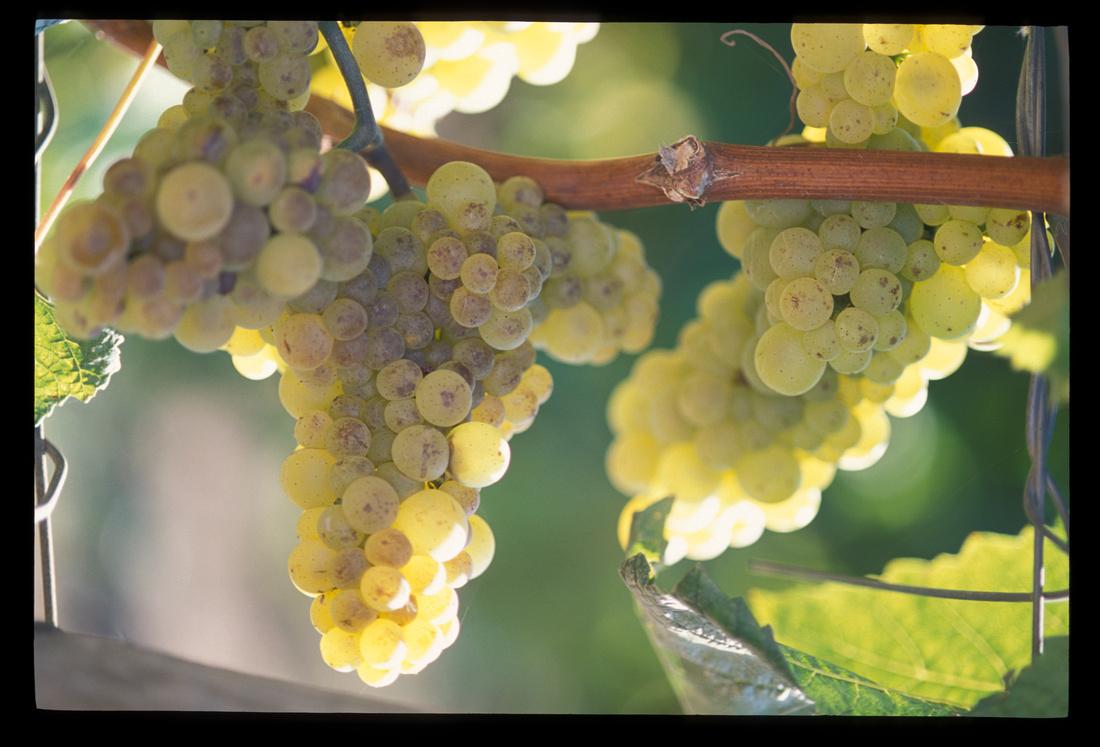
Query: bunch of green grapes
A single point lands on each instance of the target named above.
(855, 79)
(407, 382)
(853, 286)
(842, 314)
(225, 210)
(467, 67)
(410, 379)
(699, 423)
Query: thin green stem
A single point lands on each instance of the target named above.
(366, 133)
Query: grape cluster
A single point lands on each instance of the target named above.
(401, 335)
(855, 79)
(407, 382)
(842, 314)
(859, 287)
(698, 423)
(225, 210)
(468, 67)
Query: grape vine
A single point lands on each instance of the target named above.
(405, 338)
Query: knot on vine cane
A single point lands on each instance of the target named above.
(683, 171)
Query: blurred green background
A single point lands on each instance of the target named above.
(173, 533)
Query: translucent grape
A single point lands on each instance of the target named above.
(303, 341)
(827, 47)
(464, 192)
(836, 269)
(285, 77)
(207, 325)
(993, 273)
(420, 452)
(390, 54)
(944, 305)
(892, 329)
(370, 504)
(344, 182)
(479, 454)
(927, 90)
(1007, 227)
(384, 589)
(813, 106)
(345, 319)
(434, 523)
(288, 265)
(793, 252)
(821, 343)
(856, 330)
(949, 40)
(194, 201)
(888, 38)
(443, 398)
(388, 547)
(876, 291)
(768, 475)
(783, 364)
(873, 214)
(401, 414)
(957, 241)
(304, 478)
(348, 437)
(805, 303)
(851, 122)
(506, 330)
(869, 78)
(778, 213)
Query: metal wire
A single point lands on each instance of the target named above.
(45, 106)
(782, 569)
(45, 495)
(47, 500)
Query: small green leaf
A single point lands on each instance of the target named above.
(1040, 691)
(710, 671)
(64, 367)
(945, 650)
(647, 531)
(1038, 340)
(721, 661)
(733, 615)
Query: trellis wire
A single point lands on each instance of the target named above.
(782, 569)
(1031, 138)
(45, 494)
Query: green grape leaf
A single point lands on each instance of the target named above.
(944, 650)
(839, 692)
(711, 670)
(64, 367)
(1040, 691)
(1038, 340)
(721, 661)
(647, 531)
